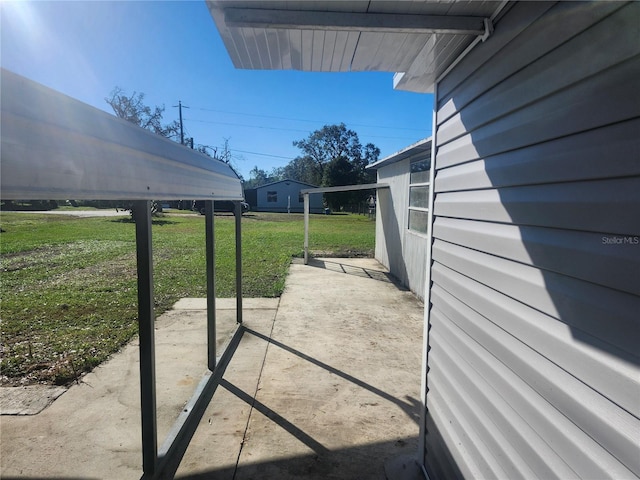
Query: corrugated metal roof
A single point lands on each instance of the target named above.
(55, 147)
(418, 39)
(287, 181)
(420, 147)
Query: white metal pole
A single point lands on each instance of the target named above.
(306, 228)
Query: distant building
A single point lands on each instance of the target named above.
(283, 196)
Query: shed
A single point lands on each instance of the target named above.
(530, 358)
(285, 196)
(403, 211)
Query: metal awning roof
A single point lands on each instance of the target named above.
(54, 147)
(421, 147)
(418, 40)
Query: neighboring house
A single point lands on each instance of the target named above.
(283, 196)
(402, 214)
(532, 252)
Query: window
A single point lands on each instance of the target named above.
(419, 190)
(272, 196)
(300, 197)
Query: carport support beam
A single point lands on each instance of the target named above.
(306, 228)
(238, 215)
(146, 319)
(211, 283)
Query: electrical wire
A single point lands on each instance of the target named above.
(281, 128)
(387, 127)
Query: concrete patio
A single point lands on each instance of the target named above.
(323, 383)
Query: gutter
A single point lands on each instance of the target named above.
(488, 31)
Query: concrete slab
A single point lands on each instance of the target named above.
(339, 393)
(227, 304)
(28, 400)
(93, 430)
(324, 386)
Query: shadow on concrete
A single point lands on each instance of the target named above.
(322, 462)
(48, 478)
(172, 451)
(275, 417)
(411, 408)
(363, 461)
(357, 271)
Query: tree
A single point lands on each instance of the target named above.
(302, 169)
(339, 172)
(334, 156)
(132, 108)
(258, 176)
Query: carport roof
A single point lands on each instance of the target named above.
(420, 147)
(55, 147)
(419, 40)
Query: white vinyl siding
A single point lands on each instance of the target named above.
(534, 328)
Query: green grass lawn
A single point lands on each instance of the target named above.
(68, 287)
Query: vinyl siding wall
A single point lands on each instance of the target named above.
(402, 251)
(533, 360)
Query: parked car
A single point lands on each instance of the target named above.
(220, 206)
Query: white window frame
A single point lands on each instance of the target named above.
(418, 209)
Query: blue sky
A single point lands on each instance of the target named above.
(172, 51)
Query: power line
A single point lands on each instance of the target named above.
(265, 154)
(285, 129)
(306, 120)
(248, 126)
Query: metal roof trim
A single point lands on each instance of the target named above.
(55, 147)
(423, 145)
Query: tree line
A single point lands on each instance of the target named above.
(331, 156)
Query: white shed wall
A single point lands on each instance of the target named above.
(402, 251)
(533, 365)
(391, 218)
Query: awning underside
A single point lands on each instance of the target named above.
(418, 40)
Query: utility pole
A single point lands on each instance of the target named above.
(180, 107)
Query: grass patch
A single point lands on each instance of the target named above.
(68, 293)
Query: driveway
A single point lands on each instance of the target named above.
(80, 213)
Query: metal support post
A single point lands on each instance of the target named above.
(238, 215)
(306, 228)
(211, 284)
(146, 319)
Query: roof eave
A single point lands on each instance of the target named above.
(421, 146)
